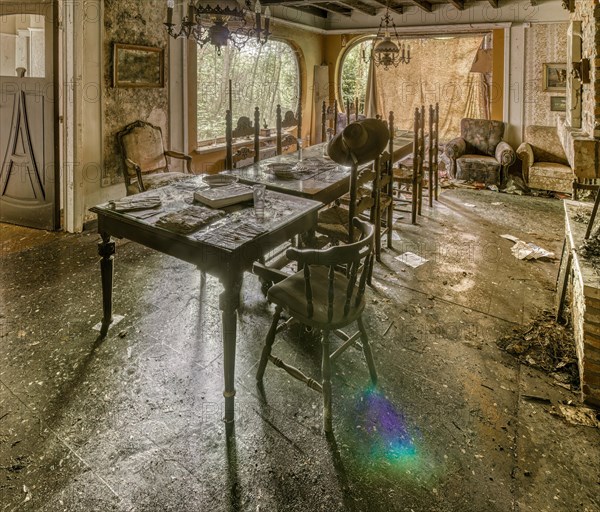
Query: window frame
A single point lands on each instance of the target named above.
(194, 139)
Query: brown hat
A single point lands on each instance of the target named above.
(364, 139)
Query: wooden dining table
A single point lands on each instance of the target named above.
(225, 248)
(316, 176)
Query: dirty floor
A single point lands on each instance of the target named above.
(133, 423)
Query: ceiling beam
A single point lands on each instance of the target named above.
(334, 8)
(425, 5)
(359, 6)
(304, 6)
(397, 8)
(459, 4)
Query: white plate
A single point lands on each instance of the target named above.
(219, 180)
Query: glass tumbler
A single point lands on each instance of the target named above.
(259, 201)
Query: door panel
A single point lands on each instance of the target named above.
(28, 177)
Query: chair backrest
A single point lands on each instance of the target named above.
(289, 120)
(244, 128)
(481, 135)
(241, 155)
(545, 144)
(142, 144)
(354, 256)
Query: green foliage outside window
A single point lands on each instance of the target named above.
(262, 76)
(355, 72)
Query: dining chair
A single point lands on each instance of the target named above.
(326, 300)
(244, 129)
(289, 120)
(408, 175)
(329, 120)
(146, 159)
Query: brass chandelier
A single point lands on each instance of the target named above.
(388, 52)
(219, 23)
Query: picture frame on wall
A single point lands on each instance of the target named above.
(558, 104)
(138, 66)
(554, 77)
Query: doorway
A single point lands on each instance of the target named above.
(29, 156)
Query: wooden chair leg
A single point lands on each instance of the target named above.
(326, 376)
(390, 222)
(367, 351)
(266, 352)
(378, 232)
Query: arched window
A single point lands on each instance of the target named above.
(262, 76)
(354, 71)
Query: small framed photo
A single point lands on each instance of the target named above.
(555, 77)
(138, 66)
(558, 104)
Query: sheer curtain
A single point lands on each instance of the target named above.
(440, 71)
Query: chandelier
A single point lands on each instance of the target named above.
(221, 22)
(387, 52)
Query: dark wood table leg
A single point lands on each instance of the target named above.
(229, 302)
(106, 249)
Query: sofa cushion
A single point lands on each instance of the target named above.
(545, 144)
(551, 176)
(482, 136)
(481, 168)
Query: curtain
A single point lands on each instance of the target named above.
(372, 96)
(439, 71)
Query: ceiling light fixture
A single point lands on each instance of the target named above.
(388, 52)
(219, 23)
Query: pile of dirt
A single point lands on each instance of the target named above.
(546, 345)
(590, 248)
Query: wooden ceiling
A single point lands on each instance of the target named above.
(369, 7)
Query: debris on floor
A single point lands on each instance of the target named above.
(578, 415)
(527, 250)
(590, 248)
(582, 215)
(547, 346)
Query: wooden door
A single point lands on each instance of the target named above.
(28, 174)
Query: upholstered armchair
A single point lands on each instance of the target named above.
(146, 164)
(545, 164)
(480, 154)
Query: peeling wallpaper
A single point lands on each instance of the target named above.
(544, 43)
(131, 22)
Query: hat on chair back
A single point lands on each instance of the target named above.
(364, 139)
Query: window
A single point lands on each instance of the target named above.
(261, 76)
(355, 71)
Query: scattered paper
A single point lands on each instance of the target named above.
(395, 236)
(579, 415)
(497, 203)
(469, 205)
(411, 259)
(527, 250)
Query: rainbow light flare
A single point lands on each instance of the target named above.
(382, 431)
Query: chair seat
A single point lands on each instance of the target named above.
(157, 180)
(290, 295)
(551, 176)
(481, 168)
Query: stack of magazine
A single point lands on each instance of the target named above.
(224, 196)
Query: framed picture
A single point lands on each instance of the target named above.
(138, 66)
(555, 77)
(558, 104)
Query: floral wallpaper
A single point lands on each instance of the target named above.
(138, 22)
(544, 43)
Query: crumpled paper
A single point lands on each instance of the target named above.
(527, 250)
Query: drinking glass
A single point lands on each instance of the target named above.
(259, 201)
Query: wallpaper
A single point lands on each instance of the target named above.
(544, 43)
(138, 22)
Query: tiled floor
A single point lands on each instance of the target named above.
(134, 422)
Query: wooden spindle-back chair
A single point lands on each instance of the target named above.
(244, 129)
(289, 120)
(321, 297)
